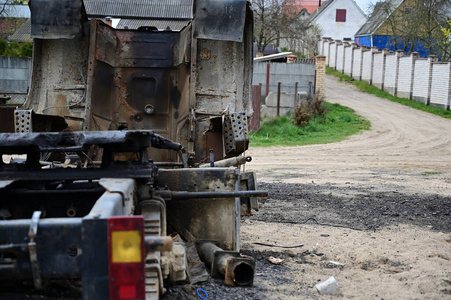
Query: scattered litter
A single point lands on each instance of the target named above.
(202, 293)
(328, 287)
(276, 260)
(286, 247)
(332, 264)
(312, 253)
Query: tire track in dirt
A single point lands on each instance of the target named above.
(409, 148)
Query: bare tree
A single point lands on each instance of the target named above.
(415, 23)
(6, 6)
(275, 20)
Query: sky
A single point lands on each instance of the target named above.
(365, 4)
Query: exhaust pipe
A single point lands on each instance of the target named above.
(236, 270)
(71, 211)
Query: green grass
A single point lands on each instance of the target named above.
(431, 173)
(340, 123)
(370, 89)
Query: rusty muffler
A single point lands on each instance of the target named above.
(236, 270)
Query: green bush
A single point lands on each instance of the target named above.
(15, 49)
(308, 110)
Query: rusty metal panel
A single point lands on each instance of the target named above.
(7, 118)
(204, 218)
(221, 20)
(220, 80)
(254, 120)
(56, 19)
(59, 79)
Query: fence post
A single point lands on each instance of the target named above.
(295, 93)
(267, 79)
(320, 75)
(399, 53)
(431, 59)
(278, 97)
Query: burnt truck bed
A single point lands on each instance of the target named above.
(55, 217)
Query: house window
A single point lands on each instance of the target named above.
(341, 15)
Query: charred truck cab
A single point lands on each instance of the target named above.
(126, 136)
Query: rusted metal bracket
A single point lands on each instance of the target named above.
(23, 121)
(236, 135)
(32, 249)
(26, 121)
(247, 183)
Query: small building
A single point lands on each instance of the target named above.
(339, 19)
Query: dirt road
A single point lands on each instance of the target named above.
(384, 196)
(404, 148)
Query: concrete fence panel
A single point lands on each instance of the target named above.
(14, 74)
(326, 49)
(367, 63)
(333, 55)
(390, 74)
(422, 78)
(357, 65)
(340, 57)
(440, 86)
(378, 69)
(349, 59)
(405, 76)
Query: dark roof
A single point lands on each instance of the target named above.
(174, 14)
(23, 34)
(378, 17)
(175, 25)
(144, 9)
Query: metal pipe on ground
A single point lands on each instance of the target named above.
(229, 162)
(236, 270)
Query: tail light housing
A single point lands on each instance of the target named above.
(126, 258)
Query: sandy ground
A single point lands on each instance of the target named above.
(406, 152)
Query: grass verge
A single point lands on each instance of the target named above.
(370, 89)
(340, 122)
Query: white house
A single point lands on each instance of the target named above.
(339, 19)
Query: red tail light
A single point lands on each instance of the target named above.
(126, 258)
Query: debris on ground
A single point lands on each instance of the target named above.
(332, 264)
(328, 287)
(276, 260)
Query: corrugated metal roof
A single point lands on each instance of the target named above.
(145, 9)
(175, 25)
(272, 56)
(378, 17)
(23, 34)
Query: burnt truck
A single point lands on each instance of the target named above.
(127, 153)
